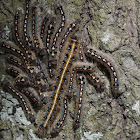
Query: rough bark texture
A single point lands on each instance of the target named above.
(112, 26)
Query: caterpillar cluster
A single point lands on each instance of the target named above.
(44, 60)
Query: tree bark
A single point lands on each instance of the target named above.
(111, 26)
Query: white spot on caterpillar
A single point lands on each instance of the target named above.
(114, 73)
(104, 60)
(26, 17)
(62, 12)
(92, 53)
(73, 25)
(53, 47)
(63, 40)
(116, 79)
(50, 25)
(53, 54)
(63, 18)
(80, 105)
(16, 34)
(112, 68)
(49, 31)
(108, 64)
(80, 100)
(62, 25)
(88, 51)
(16, 28)
(18, 51)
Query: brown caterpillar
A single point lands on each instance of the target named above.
(109, 65)
(37, 42)
(79, 101)
(69, 31)
(17, 32)
(82, 67)
(55, 41)
(62, 118)
(32, 94)
(26, 25)
(12, 71)
(99, 85)
(43, 27)
(51, 27)
(58, 32)
(29, 111)
(16, 62)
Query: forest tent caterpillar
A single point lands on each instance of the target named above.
(109, 65)
(79, 102)
(29, 111)
(62, 117)
(57, 89)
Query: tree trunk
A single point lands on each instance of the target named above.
(111, 26)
